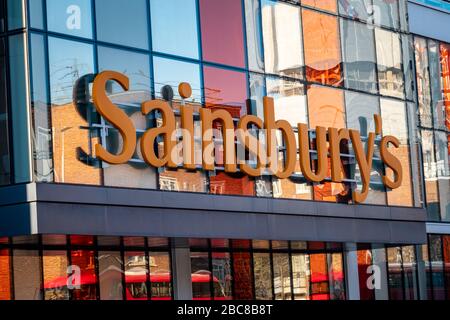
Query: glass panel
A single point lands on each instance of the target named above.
(5, 275)
(280, 245)
(241, 244)
(222, 280)
(56, 279)
(290, 104)
(408, 66)
(225, 89)
(42, 133)
(222, 32)
(16, 14)
(437, 267)
(445, 70)
(301, 275)
(108, 241)
(36, 13)
(282, 276)
(157, 242)
(336, 276)
(358, 47)
(253, 33)
(386, 13)
(132, 33)
(328, 5)
(423, 82)
(443, 172)
(86, 289)
(357, 9)
(446, 254)
(320, 289)
(81, 240)
(160, 276)
(110, 266)
(282, 35)
(220, 243)
(174, 27)
(5, 170)
(389, 57)
(26, 273)
(326, 108)
(172, 73)
(322, 49)
(395, 124)
(136, 275)
(261, 244)
(437, 104)
(68, 61)
(199, 243)
(201, 276)
(430, 174)
(19, 106)
(364, 254)
(136, 66)
(54, 240)
(72, 17)
(134, 241)
(361, 109)
(26, 240)
(243, 280)
(427, 265)
(410, 273)
(263, 276)
(395, 281)
(299, 245)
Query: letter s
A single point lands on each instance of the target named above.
(392, 162)
(115, 116)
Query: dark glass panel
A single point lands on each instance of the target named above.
(222, 278)
(437, 267)
(85, 286)
(5, 170)
(395, 277)
(201, 276)
(364, 254)
(243, 280)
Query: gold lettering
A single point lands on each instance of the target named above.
(392, 162)
(364, 162)
(305, 157)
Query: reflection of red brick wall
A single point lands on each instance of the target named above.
(5, 276)
(243, 282)
(403, 195)
(66, 124)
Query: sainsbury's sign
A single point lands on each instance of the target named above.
(240, 143)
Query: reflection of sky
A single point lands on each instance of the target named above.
(172, 72)
(174, 27)
(135, 65)
(69, 61)
(58, 16)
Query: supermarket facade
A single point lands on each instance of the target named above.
(111, 190)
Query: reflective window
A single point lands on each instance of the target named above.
(72, 17)
(445, 70)
(290, 104)
(357, 9)
(395, 279)
(68, 61)
(110, 275)
(136, 275)
(437, 103)
(320, 287)
(410, 273)
(365, 261)
(328, 5)
(5, 171)
(361, 109)
(133, 32)
(446, 256)
(386, 13)
(336, 276)
(443, 172)
(137, 67)
(437, 266)
(423, 82)
(253, 33)
(322, 48)
(42, 134)
(243, 280)
(201, 276)
(395, 124)
(85, 261)
(222, 32)
(301, 276)
(408, 66)
(359, 56)
(55, 273)
(389, 57)
(283, 52)
(222, 283)
(5, 275)
(430, 174)
(26, 273)
(36, 13)
(174, 27)
(282, 276)
(15, 14)
(263, 276)
(160, 276)
(82, 240)
(326, 108)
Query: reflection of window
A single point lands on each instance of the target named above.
(72, 17)
(169, 184)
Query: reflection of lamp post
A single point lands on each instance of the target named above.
(63, 131)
